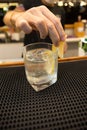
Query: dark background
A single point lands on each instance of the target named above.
(71, 13)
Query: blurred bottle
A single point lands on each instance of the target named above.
(82, 50)
(79, 28)
(86, 29)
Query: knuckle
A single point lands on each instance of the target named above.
(51, 26)
(56, 21)
(32, 9)
(43, 7)
(21, 24)
(40, 22)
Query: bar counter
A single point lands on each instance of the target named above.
(19, 61)
(62, 106)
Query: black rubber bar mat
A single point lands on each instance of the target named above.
(62, 106)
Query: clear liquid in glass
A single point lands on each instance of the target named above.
(41, 68)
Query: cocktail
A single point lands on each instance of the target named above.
(41, 64)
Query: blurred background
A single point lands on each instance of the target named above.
(74, 21)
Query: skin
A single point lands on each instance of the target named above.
(40, 19)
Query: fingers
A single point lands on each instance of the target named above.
(28, 22)
(37, 22)
(60, 29)
(49, 26)
(23, 25)
(42, 20)
(41, 26)
(55, 21)
(52, 32)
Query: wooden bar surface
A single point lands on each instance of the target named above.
(19, 63)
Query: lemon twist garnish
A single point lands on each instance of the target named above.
(50, 64)
(60, 49)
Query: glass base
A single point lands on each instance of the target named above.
(39, 87)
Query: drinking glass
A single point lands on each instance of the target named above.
(41, 64)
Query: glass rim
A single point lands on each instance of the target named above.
(35, 43)
(39, 43)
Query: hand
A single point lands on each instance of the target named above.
(41, 19)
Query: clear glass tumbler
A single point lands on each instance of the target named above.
(41, 64)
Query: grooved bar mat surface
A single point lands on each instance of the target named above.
(62, 106)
